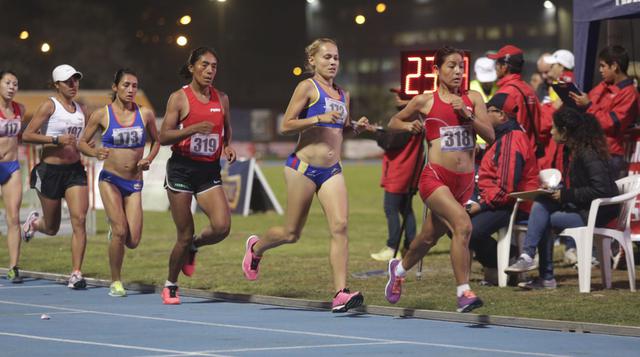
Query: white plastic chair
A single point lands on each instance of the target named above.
(629, 188)
(505, 235)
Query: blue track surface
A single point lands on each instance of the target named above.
(89, 322)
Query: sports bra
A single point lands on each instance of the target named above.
(118, 136)
(443, 122)
(324, 104)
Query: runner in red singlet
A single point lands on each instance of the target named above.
(451, 118)
(197, 125)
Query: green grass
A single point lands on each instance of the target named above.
(302, 270)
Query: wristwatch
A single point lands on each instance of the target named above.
(468, 207)
(55, 140)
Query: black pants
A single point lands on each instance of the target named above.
(484, 225)
(394, 206)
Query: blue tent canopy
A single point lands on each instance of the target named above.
(587, 15)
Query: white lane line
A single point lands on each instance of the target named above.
(336, 345)
(29, 287)
(293, 332)
(113, 345)
(55, 313)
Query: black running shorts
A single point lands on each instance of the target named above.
(186, 175)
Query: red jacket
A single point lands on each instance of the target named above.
(616, 107)
(516, 105)
(509, 165)
(553, 151)
(399, 165)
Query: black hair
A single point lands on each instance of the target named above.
(443, 52)
(615, 54)
(515, 63)
(583, 131)
(193, 58)
(118, 76)
(7, 71)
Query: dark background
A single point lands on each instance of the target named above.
(260, 41)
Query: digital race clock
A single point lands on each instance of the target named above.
(418, 75)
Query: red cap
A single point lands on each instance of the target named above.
(506, 51)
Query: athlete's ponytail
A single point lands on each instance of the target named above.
(193, 58)
(118, 76)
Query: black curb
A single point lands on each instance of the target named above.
(554, 325)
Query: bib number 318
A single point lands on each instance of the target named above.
(457, 138)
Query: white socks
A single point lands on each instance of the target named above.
(526, 257)
(168, 284)
(461, 289)
(400, 270)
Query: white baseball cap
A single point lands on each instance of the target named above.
(64, 72)
(485, 70)
(563, 57)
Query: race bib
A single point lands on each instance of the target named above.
(127, 137)
(74, 130)
(457, 138)
(10, 127)
(204, 144)
(332, 105)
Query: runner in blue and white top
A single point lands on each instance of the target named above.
(57, 125)
(319, 113)
(126, 127)
(11, 116)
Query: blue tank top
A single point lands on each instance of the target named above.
(118, 136)
(324, 104)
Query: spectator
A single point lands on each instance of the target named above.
(561, 64)
(401, 166)
(485, 82)
(614, 103)
(509, 165)
(539, 80)
(521, 101)
(589, 177)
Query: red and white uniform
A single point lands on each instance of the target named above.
(202, 147)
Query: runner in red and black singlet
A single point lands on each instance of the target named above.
(197, 125)
(451, 119)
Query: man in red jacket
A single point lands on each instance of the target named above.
(521, 101)
(614, 102)
(401, 166)
(509, 165)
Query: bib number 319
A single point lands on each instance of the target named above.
(204, 144)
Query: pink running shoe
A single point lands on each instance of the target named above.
(251, 261)
(345, 300)
(27, 228)
(468, 302)
(393, 290)
(170, 295)
(189, 266)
